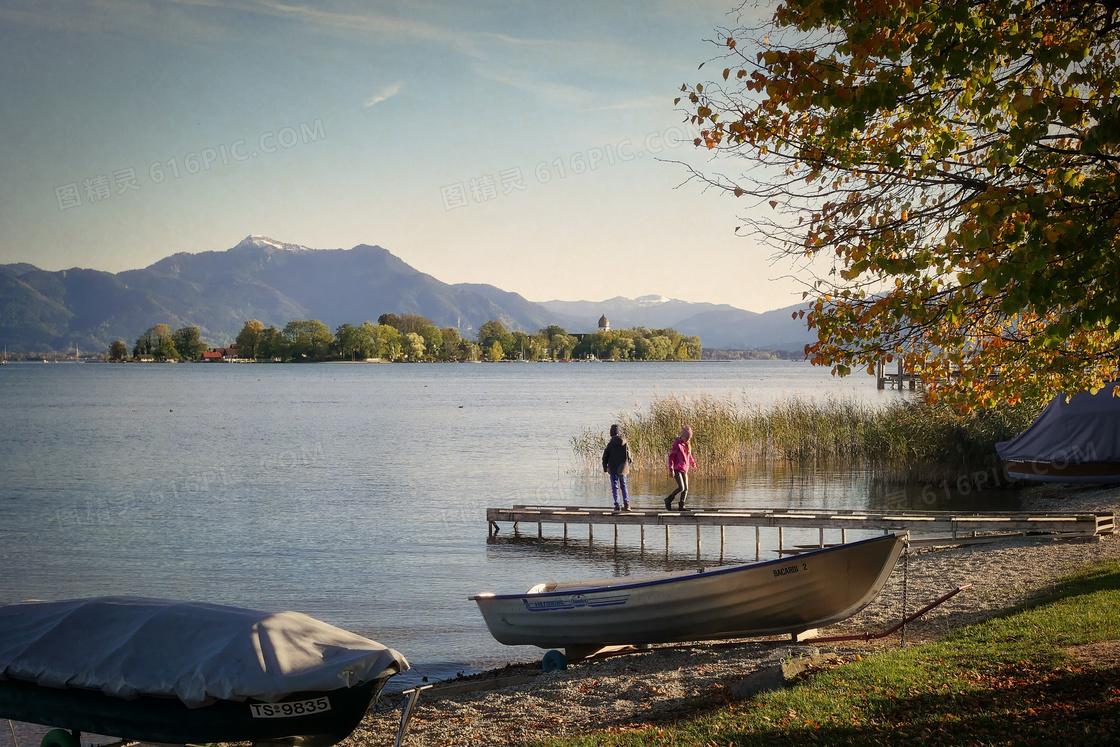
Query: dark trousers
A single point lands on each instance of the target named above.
(682, 488)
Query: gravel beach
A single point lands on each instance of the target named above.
(627, 691)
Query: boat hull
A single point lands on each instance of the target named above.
(167, 720)
(789, 595)
(1095, 473)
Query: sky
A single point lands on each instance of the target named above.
(529, 144)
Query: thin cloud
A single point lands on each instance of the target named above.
(557, 94)
(649, 102)
(384, 94)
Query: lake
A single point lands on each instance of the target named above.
(355, 493)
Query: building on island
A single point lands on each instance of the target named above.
(604, 326)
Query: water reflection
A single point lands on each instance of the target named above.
(941, 495)
(627, 557)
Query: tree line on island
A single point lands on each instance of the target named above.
(414, 338)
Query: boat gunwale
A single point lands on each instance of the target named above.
(485, 596)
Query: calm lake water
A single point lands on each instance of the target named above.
(355, 493)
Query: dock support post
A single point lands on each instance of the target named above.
(565, 532)
(722, 540)
(698, 542)
(616, 537)
(781, 540)
(757, 542)
(666, 539)
(643, 539)
(540, 530)
(821, 543)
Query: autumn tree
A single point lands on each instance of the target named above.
(433, 339)
(272, 344)
(405, 323)
(495, 332)
(453, 348)
(557, 341)
(308, 339)
(249, 338)
(156, 342)
(412, 345)
(521, 345)
(356, 342)
(188, 342)
(389, 342)
(954, 169)
(391, 320)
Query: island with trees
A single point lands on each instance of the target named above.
(410, 338)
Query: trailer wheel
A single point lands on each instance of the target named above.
(553, 661)
(60, 738)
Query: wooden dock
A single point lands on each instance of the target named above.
(885, 379)
(931, 526)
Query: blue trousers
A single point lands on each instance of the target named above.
(619, 481)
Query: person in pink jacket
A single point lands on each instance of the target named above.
(680, 460)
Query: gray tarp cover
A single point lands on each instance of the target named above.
(128, 647)
(1085, 429)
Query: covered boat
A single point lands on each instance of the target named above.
(1074, 441)
(164, 671)
(788, 595)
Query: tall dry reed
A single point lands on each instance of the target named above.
(910, 440)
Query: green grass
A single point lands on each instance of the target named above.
(1006, 681)
(901, 441)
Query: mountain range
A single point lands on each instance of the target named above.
(260, 278)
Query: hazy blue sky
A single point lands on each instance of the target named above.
(512, 142)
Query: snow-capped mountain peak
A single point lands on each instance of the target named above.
(264, 242)
(653, 300)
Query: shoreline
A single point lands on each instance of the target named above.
(634, 690)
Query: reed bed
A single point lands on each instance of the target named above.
(924, 442)
(903, 441)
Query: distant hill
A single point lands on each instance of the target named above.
(275, 282)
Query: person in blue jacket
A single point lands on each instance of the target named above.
(616, 463)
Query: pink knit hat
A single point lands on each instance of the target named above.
(686, 433)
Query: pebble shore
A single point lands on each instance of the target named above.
(633, 690)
